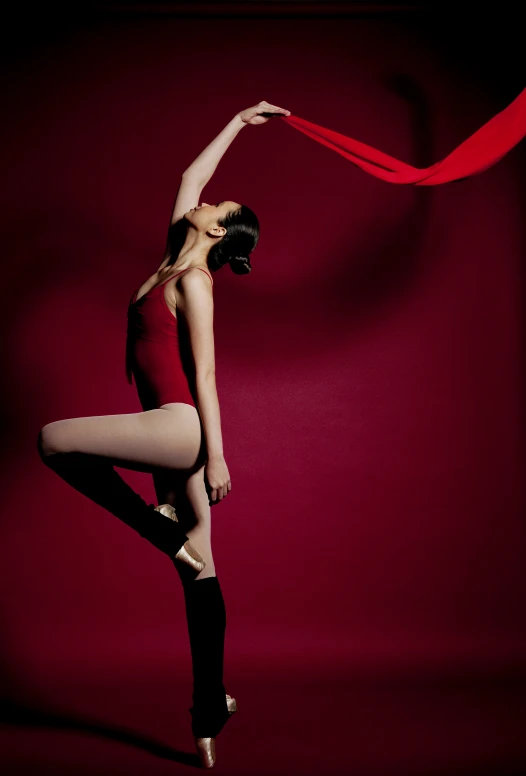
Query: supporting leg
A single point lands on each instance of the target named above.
(205, 607)
(206, 617)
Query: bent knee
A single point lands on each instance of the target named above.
(48, 441)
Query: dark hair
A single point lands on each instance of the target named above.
(241, 238)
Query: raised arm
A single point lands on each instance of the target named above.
(197, 175)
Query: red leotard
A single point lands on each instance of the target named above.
(158, 358)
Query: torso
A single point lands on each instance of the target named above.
(158, 355)
(169, 279)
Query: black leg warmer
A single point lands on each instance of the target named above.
(206, 617)
(98, 480)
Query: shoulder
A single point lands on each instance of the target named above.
(194, 293)
(195, 277)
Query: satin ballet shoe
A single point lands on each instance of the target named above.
(206, 747)
(231, 704)
(206, 751)
(186, 554)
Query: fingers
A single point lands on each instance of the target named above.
(219, 493)
(273, 108)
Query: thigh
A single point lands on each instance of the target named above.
(170, 484)
(168, 437)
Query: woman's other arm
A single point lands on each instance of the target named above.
(196, 304)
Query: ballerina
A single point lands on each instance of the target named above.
(177, 436)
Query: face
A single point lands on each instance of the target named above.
(204, 216)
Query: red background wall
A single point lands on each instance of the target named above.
(369, 369)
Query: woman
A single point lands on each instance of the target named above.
(177, 437)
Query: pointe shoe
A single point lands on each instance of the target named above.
(206, 747)
(206, 751)
(186, 554)
(231, 704)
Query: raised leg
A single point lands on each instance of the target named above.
(83, 451)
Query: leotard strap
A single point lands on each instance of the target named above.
(206, 273)
(184, 270)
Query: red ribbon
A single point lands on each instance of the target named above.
(485, 147)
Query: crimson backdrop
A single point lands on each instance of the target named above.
(368, 369)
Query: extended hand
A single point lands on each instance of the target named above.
(262, 112)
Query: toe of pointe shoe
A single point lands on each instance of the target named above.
(187, 554)
(206, 751)
(168, 511)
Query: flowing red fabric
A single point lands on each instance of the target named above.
(485, 147)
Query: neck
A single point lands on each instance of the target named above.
(194, 252)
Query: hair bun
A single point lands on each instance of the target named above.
(240, 264)
(236, 245)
